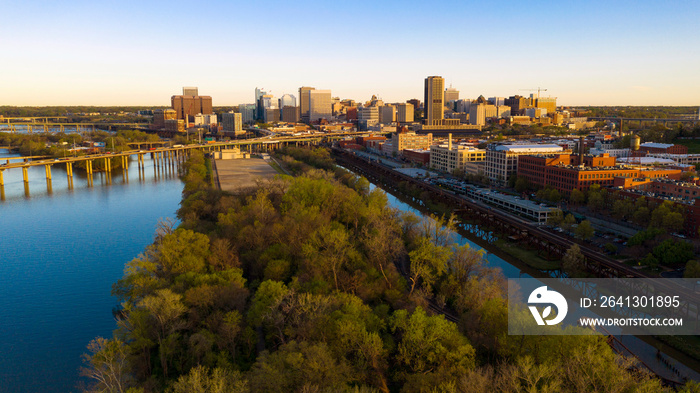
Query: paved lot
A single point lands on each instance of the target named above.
(241, 175)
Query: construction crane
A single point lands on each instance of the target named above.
(538, 90)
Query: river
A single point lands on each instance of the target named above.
(60, 253)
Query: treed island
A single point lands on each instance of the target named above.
(312, 283)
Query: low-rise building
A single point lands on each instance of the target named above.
(419, 156)
(662, 148)
(450, 157)
(502, 160)
(565, 173)
(404, 139)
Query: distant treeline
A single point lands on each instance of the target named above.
(645, 112)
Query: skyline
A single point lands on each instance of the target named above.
(597, 53)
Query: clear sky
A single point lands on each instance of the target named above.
(106, 52)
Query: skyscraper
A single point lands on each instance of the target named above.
(434, 100)
(188, 106)
(405, 113)
(319, 105)
(287, 100)
(232, 122)
(304, 103)
(258, 110)
(451, 94)
(190, 91)
(247, 112)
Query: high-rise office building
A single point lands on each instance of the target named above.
(434, 100)
(247, 113)
(405, 113)
(304, 103)
(287, 100)
(479, 113)
(290, 114)
(367, 117)
(187, 107)
(451, 94)
(161, 115)
(258, 110)
(320, 105)
(548, 103)
(415, 103)
(387, 114)
(498, 101)
(190, 91)
(232, 122)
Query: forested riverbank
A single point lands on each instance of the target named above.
(313, 284)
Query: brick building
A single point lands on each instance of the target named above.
(662, 148)
(564, 173)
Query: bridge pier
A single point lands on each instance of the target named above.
(2, 179)
(24, 175)
(47, 168)
(26, 190)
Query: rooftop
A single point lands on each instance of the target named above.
(656, 145)
(528, 148)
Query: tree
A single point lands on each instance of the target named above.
(568, 222)
(107, 365)
(577, 197)
(673, 222)
(329, 246)
(429, 345)
(596, 202)
(554, 196)
(203, 380)
(574, 262)
(585, 230)
(641, 215)
(165, 309)
(183, 251)
(692, 269)
(298, 367)
(521, 184)
(555, 217)
(428, 262)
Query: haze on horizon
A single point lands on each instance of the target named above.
(133, 53)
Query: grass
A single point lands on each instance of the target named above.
(528, 257)
(693, 144)
(276, 167)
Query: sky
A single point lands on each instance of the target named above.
(612, 52)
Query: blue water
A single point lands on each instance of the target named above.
(60, 253)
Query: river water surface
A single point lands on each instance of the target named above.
(60, 253)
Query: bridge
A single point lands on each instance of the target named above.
(62, 127)
(161, 156)
(40, 119)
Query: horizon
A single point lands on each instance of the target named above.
(602, 54)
